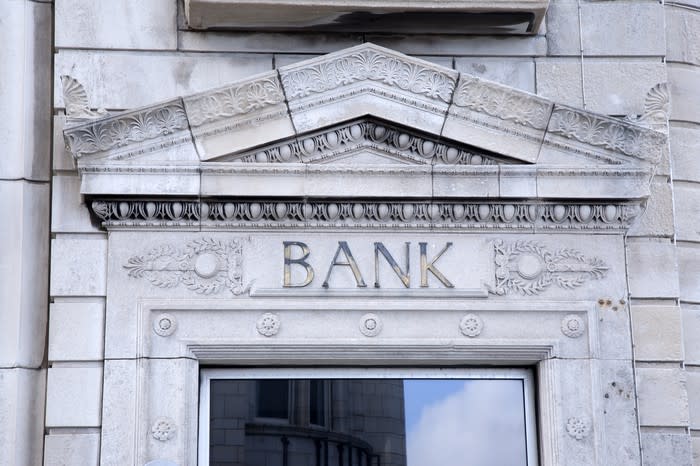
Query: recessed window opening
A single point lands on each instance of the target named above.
(367, 417)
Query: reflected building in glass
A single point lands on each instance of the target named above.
(307, 422)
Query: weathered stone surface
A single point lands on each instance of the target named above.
(515, 72)
(684, 92)
(78, 265)
(563, 31)
(619, 87)
(663, 399)
(69, 213)
(266, 42)
(21, 416)
(79, 449)
(23, 266)
(559, 79)
(689, 272)
(152, 76)
(117, 24)
(623, 28)
(659, 447)
(687, 198)
(73, 396)
(76, 331)
(657, 333)
(118, 409)
(62, 158)
(693, 381)
(685, 145)
(691, 328)
(657, 219)
(25, 97)
(653, 271)
(462, 45)
(683, 34)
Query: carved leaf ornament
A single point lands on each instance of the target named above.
(205, 265)
(528, 268)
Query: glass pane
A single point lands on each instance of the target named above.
(371, 422)
(273, 399)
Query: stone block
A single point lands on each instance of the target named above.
(78, 265)
(662, 448)
(559, 79)
(685, 147)
(694, 398)
(657, 219)
(691, 328)
(76, 331)
(623, 28)
(687, 198)
(619, 87)
(119, 80)
(72, 449)
(73, 396)
(117, 24)
(119, 407)
(457, 46)
(682, 35)
(24, 258)
(662, 397)
(69, 214)
(689, 272)
(563, 31)
(21, 416)
(266, 42)
(25, 96)
(652, 268)
(515, 72)
(685, 92)
(657, 333)
(62, 158)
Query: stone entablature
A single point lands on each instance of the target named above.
(307, 144)
(437, 16)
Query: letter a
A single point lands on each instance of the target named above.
(349, 262)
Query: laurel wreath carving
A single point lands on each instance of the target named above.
(167, 267)
(566, 268)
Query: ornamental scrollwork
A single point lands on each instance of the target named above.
(369, 65)
(205, 266)
(529, 268)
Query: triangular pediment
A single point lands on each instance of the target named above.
(365, 122)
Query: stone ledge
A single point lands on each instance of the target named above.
(451, 16)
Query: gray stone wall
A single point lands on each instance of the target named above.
(603, 56)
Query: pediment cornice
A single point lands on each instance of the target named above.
(365, 122)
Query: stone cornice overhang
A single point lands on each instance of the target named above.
(305, 133)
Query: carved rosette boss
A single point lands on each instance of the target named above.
(268, 324)
(573, 326)
(163, 429)
(371, 325)
(164, 325)
(471, 325)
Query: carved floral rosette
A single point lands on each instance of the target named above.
(529, 268)
(205, 266)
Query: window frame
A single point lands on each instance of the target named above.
(526, 375)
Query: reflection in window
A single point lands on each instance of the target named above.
(368, 422)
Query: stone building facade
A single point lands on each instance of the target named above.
(182, 191)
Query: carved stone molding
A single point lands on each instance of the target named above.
(402, 144)
(205, 266)
(471, 325)
(485, 215)
(128, 129)
(163, 429)
(529, 268)
(502, 102)
(268, 324)
(75, 99)
(372, 64)
(371, 325)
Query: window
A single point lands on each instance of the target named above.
(367, 417)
